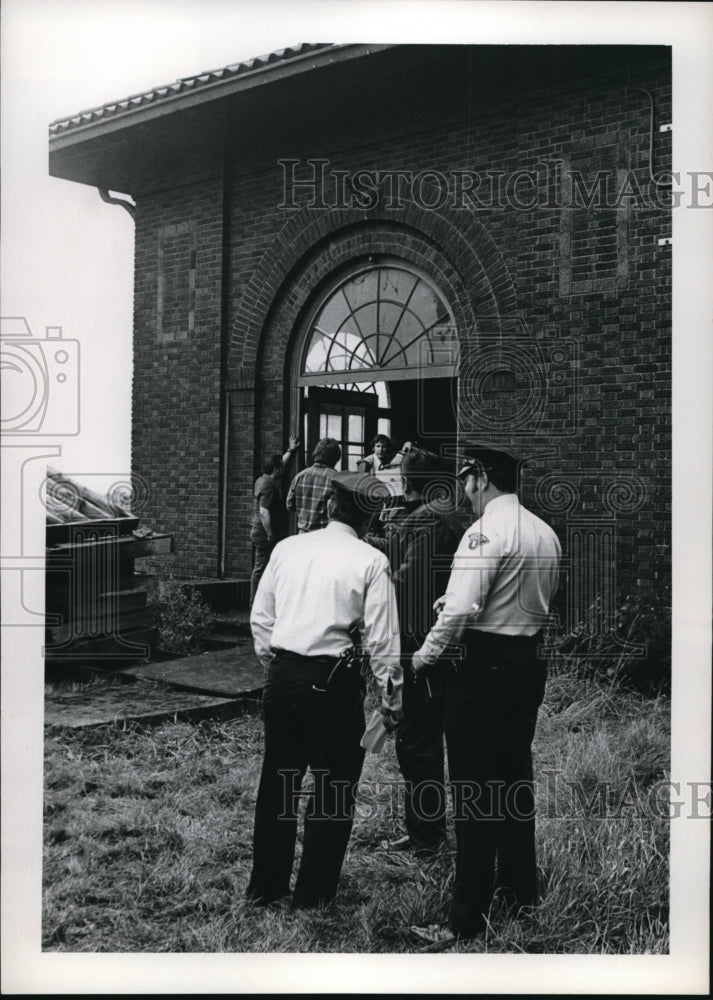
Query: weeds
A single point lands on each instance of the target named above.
(182, 617)
(629, 644)
(148, 841)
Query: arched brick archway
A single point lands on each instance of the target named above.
(342, 250)
(453, 249)
(452, 241)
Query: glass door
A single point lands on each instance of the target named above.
(349, 417)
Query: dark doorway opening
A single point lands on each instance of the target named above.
(424, 410)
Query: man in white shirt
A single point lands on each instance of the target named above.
(319, 587)
(504, 575)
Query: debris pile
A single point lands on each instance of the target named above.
(96, 605)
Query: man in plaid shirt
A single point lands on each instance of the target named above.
(311, 488)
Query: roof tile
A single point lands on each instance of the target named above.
(195, 82)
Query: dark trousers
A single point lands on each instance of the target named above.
(490, 716)
(419, 751)
(262, 549)
(304, 728)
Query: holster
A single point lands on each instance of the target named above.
(345, 678)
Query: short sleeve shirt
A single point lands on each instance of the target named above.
(267, 494)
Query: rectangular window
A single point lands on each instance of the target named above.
(330, 422)
(594, 227)
(176, 293)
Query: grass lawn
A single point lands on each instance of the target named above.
(147, 841)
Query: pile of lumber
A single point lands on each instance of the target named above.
(96, 605)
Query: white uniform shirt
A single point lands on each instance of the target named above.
(315, 587)
(504, 574)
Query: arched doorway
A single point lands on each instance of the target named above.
(378, 352)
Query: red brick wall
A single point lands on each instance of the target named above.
(176, 385)
(596, 281)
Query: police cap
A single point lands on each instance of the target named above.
(486, 455)
(362, 490)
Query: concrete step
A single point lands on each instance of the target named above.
(228, 673)
(140, 702)
(219, 683)
(235, 623)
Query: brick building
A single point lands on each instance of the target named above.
(442, 242)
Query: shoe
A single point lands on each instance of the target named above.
(437, 938)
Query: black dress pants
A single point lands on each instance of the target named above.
(490, 716)
(419, 751)
(305, 727)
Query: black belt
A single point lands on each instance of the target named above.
(508, 651)
(288, 654)
(499, 638)
(341, 674)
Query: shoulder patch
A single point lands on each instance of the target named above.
(476, 538)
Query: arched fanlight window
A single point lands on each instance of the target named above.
(378, 389)
(386, 320)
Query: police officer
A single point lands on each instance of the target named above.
(504, 575)
(317, 587)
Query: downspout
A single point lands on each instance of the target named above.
(224, 395)
(128, 205)
(223, 510)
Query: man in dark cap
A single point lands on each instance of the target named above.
(317, 587)
(420, 542)
(497, 601)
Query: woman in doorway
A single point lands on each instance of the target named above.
(384, 455)
(385, 458)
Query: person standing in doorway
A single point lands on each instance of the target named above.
(381, 457)
(505, 573)
(317, 586)
(311, 488)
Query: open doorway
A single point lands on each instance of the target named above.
(351, 418)
(379, 353)
(422, 410)
(425, 410)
